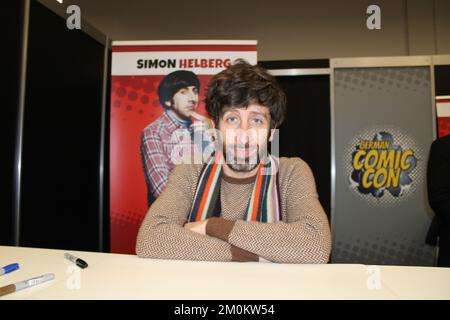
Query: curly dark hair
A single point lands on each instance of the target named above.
(242, 84)
(175, 81)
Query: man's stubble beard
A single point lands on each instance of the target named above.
(245, 164)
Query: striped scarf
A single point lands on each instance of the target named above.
(264, 205)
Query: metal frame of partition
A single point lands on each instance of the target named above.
(443, 59)
(299, 72)
(106, 76)
(20, 119)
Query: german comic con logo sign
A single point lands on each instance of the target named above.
(382, 165)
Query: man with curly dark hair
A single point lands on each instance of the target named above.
(243, 204)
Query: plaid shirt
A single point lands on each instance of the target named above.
(157, 143)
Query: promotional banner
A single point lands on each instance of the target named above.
(157, 87)
(383, 131)
(443, 115)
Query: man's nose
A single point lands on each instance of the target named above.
(243, 136)
(192, 95)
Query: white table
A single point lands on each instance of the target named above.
(117, 276)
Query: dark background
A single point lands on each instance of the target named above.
(61, 133)
(306, 130)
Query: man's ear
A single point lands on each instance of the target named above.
(168, 103)
(212, 126)
(272, 133)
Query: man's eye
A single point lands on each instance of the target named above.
(231, 120)
(257, 121)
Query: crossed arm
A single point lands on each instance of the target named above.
(303, 238)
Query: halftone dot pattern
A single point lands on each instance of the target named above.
(121, 91)
(377, 250)
(132, 95)
(149, 87)
(123, 217)
(408, 78)
(406, 142)
(138, 91)
(137, 83)
(144, 99)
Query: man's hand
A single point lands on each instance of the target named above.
(204, 138)
(198, 226)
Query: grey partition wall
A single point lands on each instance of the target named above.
(382, 128)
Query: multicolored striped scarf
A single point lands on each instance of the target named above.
(264, 205)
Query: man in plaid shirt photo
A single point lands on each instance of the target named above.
(178, 95)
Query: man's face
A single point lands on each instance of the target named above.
(245, 133)
(184, 101)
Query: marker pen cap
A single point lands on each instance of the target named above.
(81, 263)
(11, 267)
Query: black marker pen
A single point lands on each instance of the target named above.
(81, 263)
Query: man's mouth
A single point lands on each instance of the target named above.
(244, 152)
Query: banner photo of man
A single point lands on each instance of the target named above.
(157, 117)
